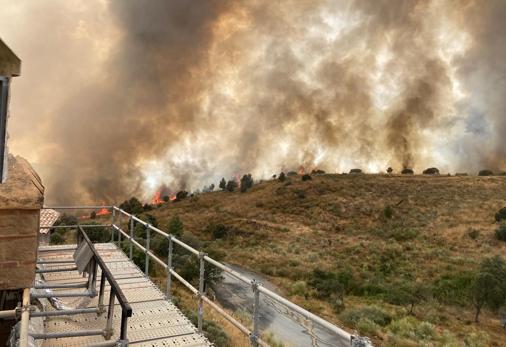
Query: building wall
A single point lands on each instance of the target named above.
(18, 247)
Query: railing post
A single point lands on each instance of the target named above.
(101, 294)
(119, 232)
(110, 315)
(113, 219)
(131, 237)
(92, 277)
(169, 268)
(201, 290)
(148, 236)
(255, 333)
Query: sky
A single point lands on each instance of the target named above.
(120, 98)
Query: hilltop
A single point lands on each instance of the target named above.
(401, 248)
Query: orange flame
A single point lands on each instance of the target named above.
(157, 199)
(103, 212)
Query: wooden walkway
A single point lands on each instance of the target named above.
(155, 320)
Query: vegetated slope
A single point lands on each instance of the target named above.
(390, 256)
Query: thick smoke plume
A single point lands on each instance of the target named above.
(126, 96)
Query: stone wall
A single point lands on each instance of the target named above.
(21, 198)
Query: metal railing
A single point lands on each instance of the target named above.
(256, 287)
(115, 293)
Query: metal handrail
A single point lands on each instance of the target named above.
(257, 287)
(126, 309)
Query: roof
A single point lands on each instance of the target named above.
(47, 218)
(10, 64)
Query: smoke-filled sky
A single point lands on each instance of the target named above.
(118, 97)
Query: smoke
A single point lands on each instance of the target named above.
(181, 93)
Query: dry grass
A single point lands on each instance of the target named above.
(285, 230)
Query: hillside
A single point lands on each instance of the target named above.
(404, 246)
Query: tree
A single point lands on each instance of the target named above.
(133, 206)
(181, 195)
(223, 184)
(246, 182)
(282, 177)
(166, 198)
(175, 227)
(231, 185)
(489, 287)
(390, 170)
(93, 215)
(211, 187)
(306, 177)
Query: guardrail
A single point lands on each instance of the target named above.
(116, 292)
(256, 287)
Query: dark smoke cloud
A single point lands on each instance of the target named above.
(183, 92)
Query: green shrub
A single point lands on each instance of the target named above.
(473, 233)
(175, 226)
(214, 333)
(218, 231)
(489, 287)
(453, 288)
(413, 329)
(372, 313)
(325, 283)
(404, 234)
(56, 238)
(500, 215)
(306, 177)
(367, 327)
(388, 212)
(299, 288)
(500, 233)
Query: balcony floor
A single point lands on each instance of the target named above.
(155, 320)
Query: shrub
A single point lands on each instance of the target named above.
(388, 212)
(453, 288)
(56, 238)
(306, 177)
(403, 234)
(223, 184)
(246, 182)
(473, 233)
(486, 172)
(355, 171)
(301, 194)
(371, 313)
(500, 233)
(500, 215)
(407, 171)
(93, 215)
(411, 328)
(390, 170)
(175, 226)
(133, 205)
(282, 177)
(299, 288)
(489, 288)
(98, 234)
(317, 172)
(215, 334)
(431, 171)
(291, 173)
(218, 231)
(231, 185)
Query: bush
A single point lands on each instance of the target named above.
(500, 215)
(355, 171)
(98, 234)
(473, 233)
(93, 215)
(231, 185)
(500, 233)
(454, 288)
(218, 231)
(306, 177)
(486, 173)
(291, 173)
(489, 288)
(403, 234)
(390, 170)
(411, 328)
(246, 182)
(56, 238)
(407, 171)
(282, 177)
(388, 212)
(133, 206)
(371, 313)
(175, 226)
(431, 171)
(181, 195)
(223, 184)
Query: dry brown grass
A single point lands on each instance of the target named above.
(285, 230)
